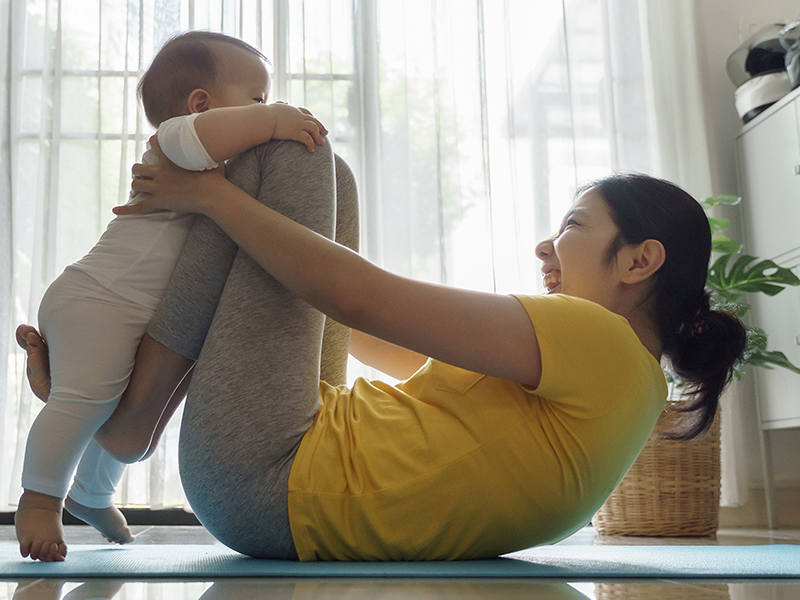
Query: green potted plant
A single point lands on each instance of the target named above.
(729, 285)
(673, 487)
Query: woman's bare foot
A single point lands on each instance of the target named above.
(108, 521)
(39, 529)
(38, 369)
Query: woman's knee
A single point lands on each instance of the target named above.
(347, 207)
(289, 159)
(285, 176)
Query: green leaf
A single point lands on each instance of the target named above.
(726, 297)
(725, 245)
(729, 302)
(718, 224)
(724, 200)
(756, 338)
(728, 286)
(742, 278)
(766, 359)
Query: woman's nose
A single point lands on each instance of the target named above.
(544, 249)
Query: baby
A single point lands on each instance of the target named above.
(205, 93)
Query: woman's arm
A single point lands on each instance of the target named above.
(486, 333)
(226, 132)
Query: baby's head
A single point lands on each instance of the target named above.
(198, 70)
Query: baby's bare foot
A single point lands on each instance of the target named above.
(38, 369)
(108, 521)
(39, 529)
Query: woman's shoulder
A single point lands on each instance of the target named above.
(583, 343)
(570, 312)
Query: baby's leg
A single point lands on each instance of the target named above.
(106, 518)
(92, 491)
(170, 346)
(92, 336)
(38, 516)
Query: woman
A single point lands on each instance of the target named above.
(528, 416)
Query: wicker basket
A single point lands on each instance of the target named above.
(672, 489)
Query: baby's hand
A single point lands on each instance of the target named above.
(292, 123)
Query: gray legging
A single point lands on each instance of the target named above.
(255, 388)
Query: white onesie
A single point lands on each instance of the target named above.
(92, 318)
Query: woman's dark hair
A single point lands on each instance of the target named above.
(186, 62)
(703, 346)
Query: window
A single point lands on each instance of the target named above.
(468, 123)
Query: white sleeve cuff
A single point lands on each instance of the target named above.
(178, 139)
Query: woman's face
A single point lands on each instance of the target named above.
(574, 260)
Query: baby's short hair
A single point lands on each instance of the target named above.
(186, 62)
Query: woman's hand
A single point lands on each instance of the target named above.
(172, 188)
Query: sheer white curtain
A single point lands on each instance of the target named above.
(490, 113)
(469, 125)
(680, 153)
(74, 131)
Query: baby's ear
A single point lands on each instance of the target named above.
(199, 101)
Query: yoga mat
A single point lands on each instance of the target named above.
(563, 561)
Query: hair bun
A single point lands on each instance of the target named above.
(705, 302)
(710, 337)
(699, 325)
(709, 349)
(701, 320)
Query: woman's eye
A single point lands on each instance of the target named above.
(259, 100)
(564, 227)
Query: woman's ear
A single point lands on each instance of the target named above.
(642, 261)
(199, 101)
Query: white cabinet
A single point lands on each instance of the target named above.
(769, 174)
(768, 153)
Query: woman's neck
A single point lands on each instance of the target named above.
(645, 330)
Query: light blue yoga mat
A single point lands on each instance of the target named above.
(563, 561)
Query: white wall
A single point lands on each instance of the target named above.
(722, 26)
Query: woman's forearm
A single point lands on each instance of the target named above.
(481, 332)
(327, 275)
(391, 359)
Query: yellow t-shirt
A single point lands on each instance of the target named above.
(451, 464)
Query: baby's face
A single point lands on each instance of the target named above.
(245, 80)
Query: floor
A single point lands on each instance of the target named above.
(393, 589)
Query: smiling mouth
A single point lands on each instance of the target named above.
(552, 279)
